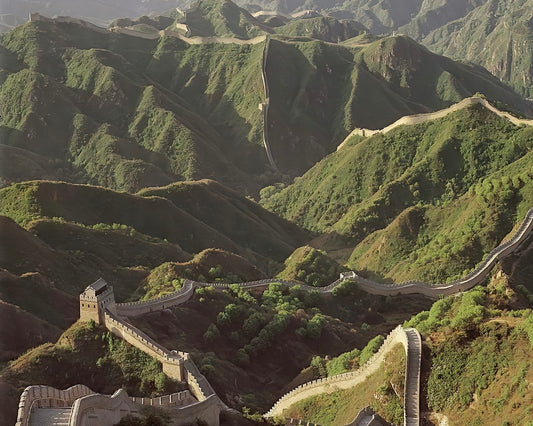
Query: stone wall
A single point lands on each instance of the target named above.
(339, 381)
(134, 336)
(266, 104)
(47, 396)
(422, 118)
(477, 276)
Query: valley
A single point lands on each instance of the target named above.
(287, 215)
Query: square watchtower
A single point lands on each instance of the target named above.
(95, 299)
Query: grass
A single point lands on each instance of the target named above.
(383, 390)
(444, 192)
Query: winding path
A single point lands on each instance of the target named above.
(422, 118)
(412, 342)
(477, 276)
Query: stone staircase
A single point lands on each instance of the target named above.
(412, 378)
(50, 416)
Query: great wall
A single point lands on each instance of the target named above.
(76, 405)
(430, 116)
(79, 405)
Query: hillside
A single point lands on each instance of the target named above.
(86, 354)
(494, 34)
(175, 218)
(93, 106)
(444, 191)
(236, 335)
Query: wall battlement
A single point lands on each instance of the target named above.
(477, 276)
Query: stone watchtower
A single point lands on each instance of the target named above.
(95, 299)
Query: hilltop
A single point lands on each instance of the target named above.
(495, 34)
(86, 354)
(393, 204)
(57, 238)
(131, 112)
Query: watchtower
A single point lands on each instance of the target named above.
(95, 299)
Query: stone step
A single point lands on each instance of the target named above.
(50, 416)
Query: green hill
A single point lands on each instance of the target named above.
(222, 18)
(81, 355)
(419, 202)
(127, 113)
(170, 213)
(322, 28)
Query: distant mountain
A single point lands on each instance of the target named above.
(93, 106)
(100, 12)
(497, 34)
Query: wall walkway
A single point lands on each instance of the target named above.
(477, 276)
(409, 338)
(422, 118)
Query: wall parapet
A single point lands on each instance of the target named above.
(141, 340)
(49, 396)
(351, 378)
(467, 282)
(177, 398)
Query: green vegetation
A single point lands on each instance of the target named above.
(420, 202)
(310, 266)
(478, 348)
(382, 390)
(322, 28)
(89, 355)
